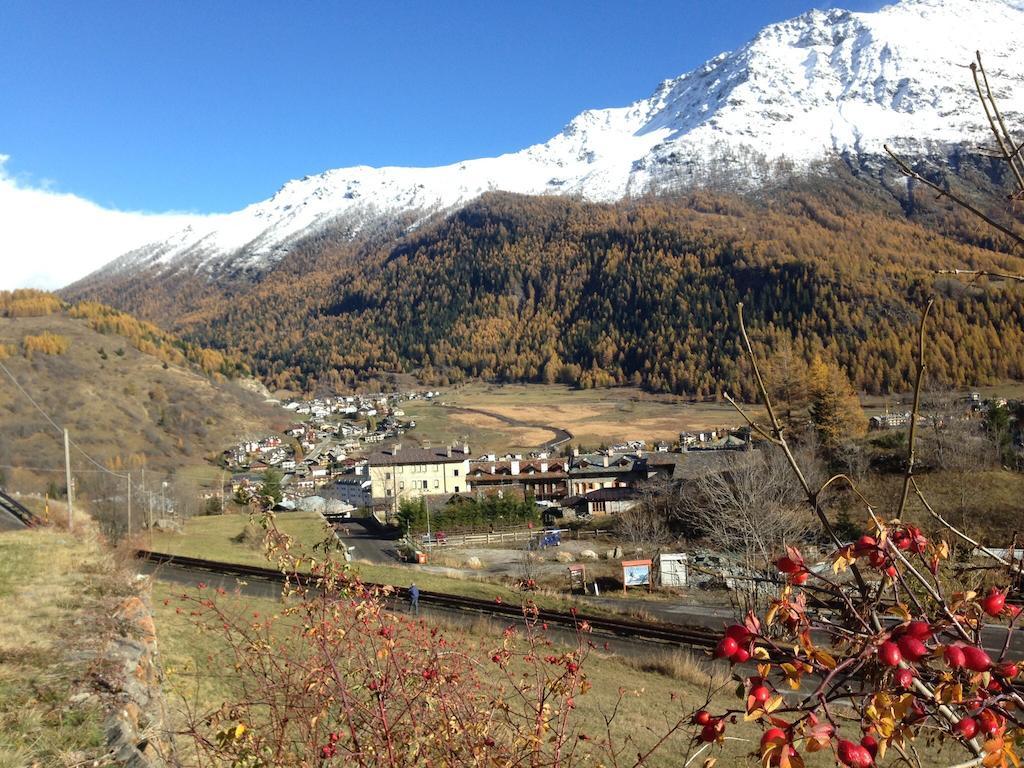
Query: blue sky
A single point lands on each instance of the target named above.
(208, 106)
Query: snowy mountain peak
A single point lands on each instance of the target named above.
(823, 82)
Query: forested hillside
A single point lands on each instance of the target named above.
(131, 395)
(642, 292)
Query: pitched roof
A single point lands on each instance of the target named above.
(413, 455)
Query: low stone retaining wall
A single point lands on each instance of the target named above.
(135, 727)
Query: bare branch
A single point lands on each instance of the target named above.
(979, 273)
(995, 119)
(915, 413)
(1019, 239)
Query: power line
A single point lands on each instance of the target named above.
(48, 469)
(58, 427)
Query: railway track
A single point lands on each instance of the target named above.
(675, 634)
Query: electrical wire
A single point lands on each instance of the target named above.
(59, 428)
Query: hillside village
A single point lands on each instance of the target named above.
(355, 452)
(350, 449)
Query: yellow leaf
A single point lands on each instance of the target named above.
(899, 610)
(239, 730)
(761, 653)
(844, 558)
(825, 659)
(773, 703)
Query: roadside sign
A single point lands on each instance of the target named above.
(636, 573)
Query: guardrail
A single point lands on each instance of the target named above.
(16, 508)
(501, 537)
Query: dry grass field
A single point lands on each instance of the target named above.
(520, 417)
(119, 404)
(659, 686)
(56, 592)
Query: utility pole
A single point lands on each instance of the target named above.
(67, 474)
(129, 505)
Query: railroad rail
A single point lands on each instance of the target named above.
(17, 510)
(661, 632)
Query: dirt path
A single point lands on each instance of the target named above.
(561, 435)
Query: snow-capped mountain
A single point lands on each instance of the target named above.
(824, 82)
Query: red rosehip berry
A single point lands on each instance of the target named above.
(889, 654)
(710, 732)
(870, 743)
(864, 545)
(994, 602)
(912, 648)
(742, 656)
(967, 727)
(738, 632)
(976, 660)
(759, 694)
(726, 647)
(853, 755)
(954, 656)
(905, 678)
(922, 630)
(989, 722)
(773, 735)
(1008, 670)
(703, 717)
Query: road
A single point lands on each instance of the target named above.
(368, 541)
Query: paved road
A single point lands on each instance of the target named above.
(369, 542)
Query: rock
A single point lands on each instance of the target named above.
(336, 507)
(617, 554)
(564, 557)
(588, 554)
(609, 555)
(474, 563)
(312, 504)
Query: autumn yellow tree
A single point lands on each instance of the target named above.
(834, 406)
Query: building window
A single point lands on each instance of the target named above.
(387, 492)
(424, 485)
(387, 475)
(456, 473)
(437, 484)
(401, 485)
(456, 489)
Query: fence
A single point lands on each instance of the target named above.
(503, 537)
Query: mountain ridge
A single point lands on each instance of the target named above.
(824, 82)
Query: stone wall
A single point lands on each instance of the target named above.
(135, 727)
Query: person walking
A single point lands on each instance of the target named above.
(414, 599)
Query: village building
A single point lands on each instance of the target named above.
(544, 478)
(591, 472)
(406, 472)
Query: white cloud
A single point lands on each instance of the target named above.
(49, 239)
